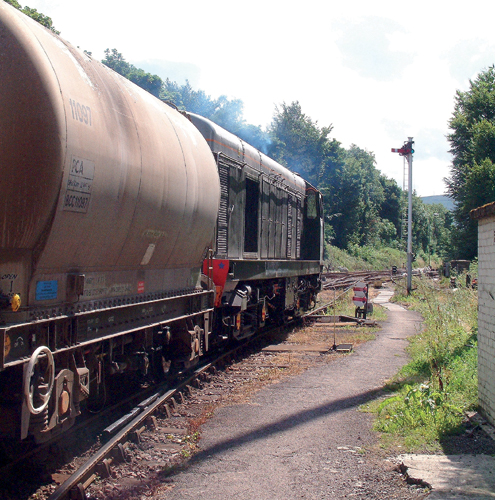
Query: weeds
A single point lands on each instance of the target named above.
(439, 385)
(359, 258)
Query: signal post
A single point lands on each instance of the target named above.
(407, 151)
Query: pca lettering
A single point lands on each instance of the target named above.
(79, 185)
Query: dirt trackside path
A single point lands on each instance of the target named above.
(304, 437)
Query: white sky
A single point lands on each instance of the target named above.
(378, 71)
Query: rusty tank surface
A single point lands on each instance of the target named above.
(97, 174)
(108, 205)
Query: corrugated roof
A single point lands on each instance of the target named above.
(484, 211)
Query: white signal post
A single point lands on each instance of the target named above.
(407, 151)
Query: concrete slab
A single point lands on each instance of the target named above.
(383, 299)
(390, 306)
(459, 477)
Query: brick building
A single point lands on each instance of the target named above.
(486, 309)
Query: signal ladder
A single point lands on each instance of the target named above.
(403, 202)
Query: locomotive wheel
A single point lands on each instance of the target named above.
(35, 382)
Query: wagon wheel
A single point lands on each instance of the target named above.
(38, 382)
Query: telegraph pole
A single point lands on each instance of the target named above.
(407, 151)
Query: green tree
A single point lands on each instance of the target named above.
(33, 13)
(41, 18)
(301, 145)
(188, 99)
(440, 226)
(420, 228)
(472, 144)
(431, 229)
(14, 3)
(390, 208)
(228, 113)
(354, 190)
(115, 60)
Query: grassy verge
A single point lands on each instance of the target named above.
(371, 258)
(433, 392)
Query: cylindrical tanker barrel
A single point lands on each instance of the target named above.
(30, 112)
(98, 176)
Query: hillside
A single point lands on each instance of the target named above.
(447, 202)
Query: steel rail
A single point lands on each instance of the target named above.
(76, 484)
(83, 476)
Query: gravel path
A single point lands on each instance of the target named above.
(304, 437)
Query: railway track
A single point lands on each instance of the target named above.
(160, 432)
(166, 422)
(163, 415)
(338, 280)
(129, 427)
(162, 420)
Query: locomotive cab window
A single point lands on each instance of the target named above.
(251, 216)
(312, 206)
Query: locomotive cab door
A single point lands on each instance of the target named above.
(312, 225)
(251, 215)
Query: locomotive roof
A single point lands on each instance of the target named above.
(223, 141)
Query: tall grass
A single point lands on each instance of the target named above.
(370, 258)
(439, 385)
(364, 258)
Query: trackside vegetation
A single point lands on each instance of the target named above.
(433, 392)
(374, 258)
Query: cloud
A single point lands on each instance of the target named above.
(366, 47)
(432, 143)
(467, 58)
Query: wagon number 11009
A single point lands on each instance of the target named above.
(80, 112)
